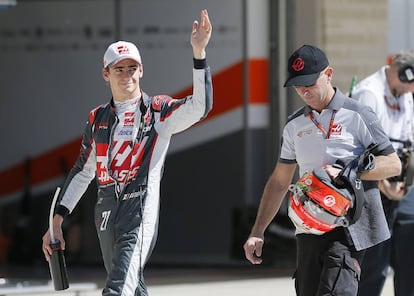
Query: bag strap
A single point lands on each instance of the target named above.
(350, 175)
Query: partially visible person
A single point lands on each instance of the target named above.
(124, 146)
(388, 92)
(330, 128)
(402, 241)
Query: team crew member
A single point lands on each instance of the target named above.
(330, 127)
(124, 146)
(389, 93)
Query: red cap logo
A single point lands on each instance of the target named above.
(298, 64)
(123, 49)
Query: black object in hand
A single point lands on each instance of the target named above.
(57, 267)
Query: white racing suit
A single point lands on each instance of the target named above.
(127, 219)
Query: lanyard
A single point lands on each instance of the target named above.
(320, 127)
(389, 105)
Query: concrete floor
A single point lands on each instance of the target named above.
(217, 281)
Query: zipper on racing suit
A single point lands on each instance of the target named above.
(117, 187)
(137, 136)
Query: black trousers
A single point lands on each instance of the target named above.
(402, 258)
(375, 269)
(327, 265)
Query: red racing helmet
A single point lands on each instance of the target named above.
(316, 206)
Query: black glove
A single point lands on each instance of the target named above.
(349, 177)
(362, 163)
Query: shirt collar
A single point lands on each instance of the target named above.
(335, 104)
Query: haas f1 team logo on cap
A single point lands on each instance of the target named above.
(123, 49)
(298, 64)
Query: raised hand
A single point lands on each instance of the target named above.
(200, 35)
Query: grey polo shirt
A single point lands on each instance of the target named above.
(352, 127)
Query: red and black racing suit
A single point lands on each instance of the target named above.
(127, 219)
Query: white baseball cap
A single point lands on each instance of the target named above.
(119, 51)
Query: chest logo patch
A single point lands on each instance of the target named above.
(129, 119)
(306, 132)
(336, 129)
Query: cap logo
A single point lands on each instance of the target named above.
(298, 64)
(123, 49)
